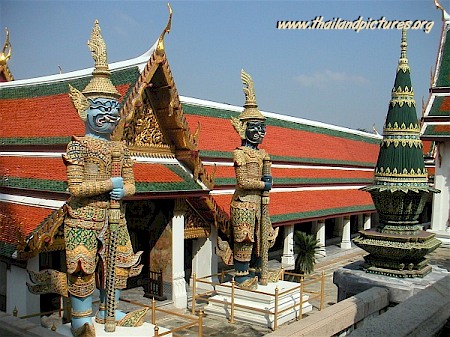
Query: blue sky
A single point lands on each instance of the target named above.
(339, 77)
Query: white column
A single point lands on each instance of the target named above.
(205, 260)
(339, 223)
(360, 221)
(319, 228)
(17, 294)
(179, 294)
(288, 259)
(346, 243)
(367, 221)
(440, 214)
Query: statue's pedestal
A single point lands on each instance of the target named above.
(145, 329)
(261, 299)
(351, 280)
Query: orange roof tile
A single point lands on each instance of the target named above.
(156, 173)
(218, 135)
(42, 116)
(15, 219)
(33, 167)
(310, 204)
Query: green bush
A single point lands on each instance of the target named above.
(305, 246)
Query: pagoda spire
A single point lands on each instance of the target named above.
(400, 188)
(400, 162)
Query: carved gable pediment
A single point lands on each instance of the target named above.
(143, 133)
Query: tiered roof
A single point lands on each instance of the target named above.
(38, 120)
(436, 119)
(317, 168)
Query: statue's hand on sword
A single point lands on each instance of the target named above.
(267, 182)
(117, 192)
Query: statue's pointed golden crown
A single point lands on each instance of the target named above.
(100, 84)
(250, 107)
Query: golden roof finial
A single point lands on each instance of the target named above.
(445, 16)
(7, 49)
(160, 46)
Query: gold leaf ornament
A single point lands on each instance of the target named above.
(79, 101)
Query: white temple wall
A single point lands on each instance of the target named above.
(205, 260)
(17, 294)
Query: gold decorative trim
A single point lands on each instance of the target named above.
(393, 172)
(44, 238)
(79, 314)
(396, 128)
(144, 130)
(195, 226)
(48, 281)
(167, 108)
(404, 142)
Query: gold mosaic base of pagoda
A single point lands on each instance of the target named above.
(397, 255)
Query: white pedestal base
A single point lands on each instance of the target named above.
(259, 300)
(145, 329)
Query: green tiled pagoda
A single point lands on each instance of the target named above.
(400, 189)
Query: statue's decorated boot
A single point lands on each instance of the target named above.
(86, 330)
(243, 278)
(248, 283)
(131, 319)
(81, 316)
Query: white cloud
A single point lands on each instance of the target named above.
(328, 77)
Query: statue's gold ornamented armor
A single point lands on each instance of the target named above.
(246, 202)
(88, 161)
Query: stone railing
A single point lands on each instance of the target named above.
(339, 317)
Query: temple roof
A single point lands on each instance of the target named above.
(317, 168)
(38, 120)
(436, 119)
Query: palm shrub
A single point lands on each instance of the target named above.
(306, 247)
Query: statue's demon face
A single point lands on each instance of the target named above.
(255, 131)
(103, 115)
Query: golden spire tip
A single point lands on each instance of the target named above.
(160, 47)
